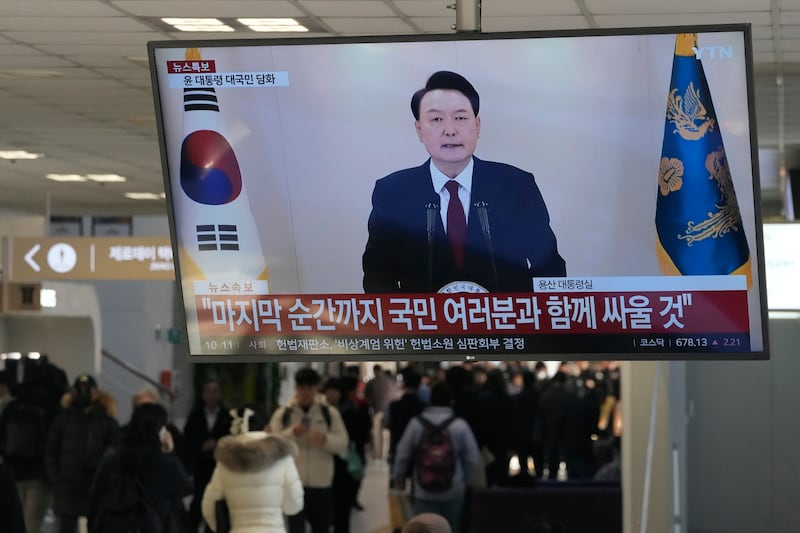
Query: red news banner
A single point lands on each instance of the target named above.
(630, 312)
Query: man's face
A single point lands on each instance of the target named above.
(449, 129)
(211, 395)
(305, 394)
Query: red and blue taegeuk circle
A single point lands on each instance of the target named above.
(210, 174)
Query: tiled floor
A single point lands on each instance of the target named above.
(374, 497)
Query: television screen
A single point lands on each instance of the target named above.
(588, 195)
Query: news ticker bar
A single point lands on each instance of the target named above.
(479, 346)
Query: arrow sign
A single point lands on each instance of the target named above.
(63, 258)
(29, 258)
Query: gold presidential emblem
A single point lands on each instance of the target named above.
(688, 114)
(727, 216)
(670, 175)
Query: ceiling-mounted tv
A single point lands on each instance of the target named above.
(577, 194)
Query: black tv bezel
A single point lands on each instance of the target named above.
(744, 28)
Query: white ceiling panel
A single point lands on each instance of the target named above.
(104, 61)
(347, 8)
(764, 57)
(761, 32)
(125, 73)
(18, 50)
(356, 26)
(790, 32)
(84, 37)
(96, 50)
(627, 21)
(497, 24)
(426, 8)
(791, 18)
(528, 9)
(32, 62)
(604, 7)
(56, 8)
(50, 23)
(763, 45)
(209, 8)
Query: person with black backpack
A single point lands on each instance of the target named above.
(438, 450)
(320, 434)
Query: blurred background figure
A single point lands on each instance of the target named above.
(34, 389)
(143, 465)
(11, 518)
(81, 435)
(208, 422)
(379, 392)
(355, 415)
(148, 394)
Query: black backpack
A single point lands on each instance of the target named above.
(127, 508)
(435, 456)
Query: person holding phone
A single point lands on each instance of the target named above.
(319, 433)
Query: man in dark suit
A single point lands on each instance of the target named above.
(457, 218)
(208, 422)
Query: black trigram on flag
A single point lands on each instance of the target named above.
(213, 237)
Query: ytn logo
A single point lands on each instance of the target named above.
(713, 52)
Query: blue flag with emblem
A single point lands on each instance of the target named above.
(698, 223)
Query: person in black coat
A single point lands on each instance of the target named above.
(402, 410)
(11, 519)
(145, 454)
(206, 424)
(81, 435)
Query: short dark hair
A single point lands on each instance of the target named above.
(145, 423)
(348, 383)
(444, 79)
(332, 383)
(441, 395)
(307, 376)
(411, 378)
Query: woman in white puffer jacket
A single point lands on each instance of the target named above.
(256, 476)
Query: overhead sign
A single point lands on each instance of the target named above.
(89, 258)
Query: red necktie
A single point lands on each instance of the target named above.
(456, 224)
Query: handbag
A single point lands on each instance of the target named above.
(400, 510)
(223, 516)
(355, 466)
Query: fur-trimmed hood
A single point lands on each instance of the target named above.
(253, 451)
(104, 401)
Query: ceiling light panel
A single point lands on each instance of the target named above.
(198, 24)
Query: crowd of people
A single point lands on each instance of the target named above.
(440, 430)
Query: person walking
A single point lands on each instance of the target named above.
(255, 475)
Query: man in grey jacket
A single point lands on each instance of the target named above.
(449, 501)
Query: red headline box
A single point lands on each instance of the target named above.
(678, 312)
(191, 66)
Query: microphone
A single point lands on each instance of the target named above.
(482, 208)
(431, 211)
